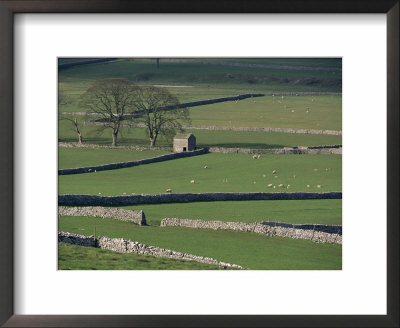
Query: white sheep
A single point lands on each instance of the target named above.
(168, 190)
(308, 186)
(205, 166)
(319, 186)
(270, 185)
(274, 172)
(191, 181)
(254, 156)
(281, 185)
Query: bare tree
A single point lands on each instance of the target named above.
(75, 122)
(110, 100)
(159, 111)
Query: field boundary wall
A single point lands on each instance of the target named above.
(335, 149)
(316, 233)
(121, 245)
(136, 216)
(162, 158)
(94, 200)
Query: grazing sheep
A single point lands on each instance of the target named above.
(124, 193)
(258, 156)
(168, 190)
(288, 186)
(254, 156)
(191, 181)
(205, 166)
(274, 172)
(276, 177)
(319, 186)
(308, 186)
(99, 193)
(254, 182)
(274, 187)
(281, 185)
(270, 185)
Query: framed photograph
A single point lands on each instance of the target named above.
(198, 153)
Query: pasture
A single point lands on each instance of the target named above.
(225, 173)
(302, 112)
(80, 157)
(72, 257)
(317, 211)
(200, 79)
(246, 139)
(249, 250)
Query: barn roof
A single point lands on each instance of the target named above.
(183, 135)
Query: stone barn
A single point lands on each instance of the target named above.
(184, 142)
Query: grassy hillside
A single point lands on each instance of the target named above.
(241, 171)
(249, 250)
(322, 112)
(246, 139)
(199, 81)
(80, 157)
(72, 257)
(318, 211)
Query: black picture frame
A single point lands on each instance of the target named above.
(10, 7)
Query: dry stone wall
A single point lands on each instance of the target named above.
(336, 149)
(127, 246)
(136, 216)
(93, 200)
(162, 158)
(282, 230)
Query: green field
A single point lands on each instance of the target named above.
(249, 250)
(225, 173)
(72, 257)
(246, 139)
(322, 112)
(80, 157)
(202, 81)
(193, 81)
(318, 211)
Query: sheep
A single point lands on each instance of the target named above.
(168, 190)
(264, 175)
(288, 186)
(258, 156)
(276, 177)
(281, 185)
(191, 181)
(254, 182)
(124, 193)
(99, 193)
(292, 110)
(205, 166)
(315, 170)
(274, 172)
(270, 185)
(274, 187)
(90, 170)
(254, 156)
(319, 186)
(308, 186)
